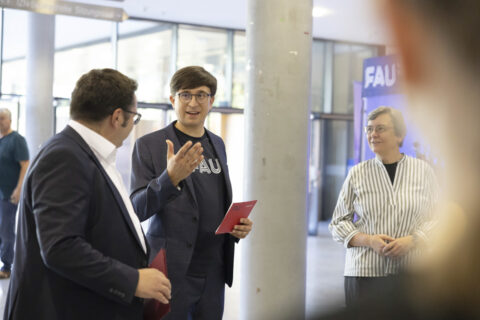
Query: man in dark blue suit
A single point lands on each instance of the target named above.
(80, 250)
(180, 179)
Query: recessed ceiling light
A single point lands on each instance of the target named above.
(319, 12)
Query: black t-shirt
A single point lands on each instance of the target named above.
(209, 184)
(391, 169)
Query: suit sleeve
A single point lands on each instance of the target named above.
(64, 194)
(149, 192)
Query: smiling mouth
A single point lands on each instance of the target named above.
(192, 113)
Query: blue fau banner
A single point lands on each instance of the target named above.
(380, 76)
(380, 87)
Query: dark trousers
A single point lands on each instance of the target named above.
(7, 233)
(198, 298)
(360, 288)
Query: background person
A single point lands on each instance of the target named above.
(393, 196)
(180, 179)
(13, 166)
(81, 252)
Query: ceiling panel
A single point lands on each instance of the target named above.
(344, 20)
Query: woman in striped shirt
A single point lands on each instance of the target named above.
(392, 196)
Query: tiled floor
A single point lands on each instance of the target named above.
(325, 260)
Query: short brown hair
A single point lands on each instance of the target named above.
(456, 21)
(397, 119)
(99, 92)
(192, 77)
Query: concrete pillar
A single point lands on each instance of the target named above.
(39, 96)
(276, 158)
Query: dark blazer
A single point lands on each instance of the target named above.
(174, 225)
(77, 252)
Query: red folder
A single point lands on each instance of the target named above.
(154, 309)
(236, 211)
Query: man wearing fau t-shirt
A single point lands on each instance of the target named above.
(180, 178)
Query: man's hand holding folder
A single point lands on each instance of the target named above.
(156, 308)
(236, 220)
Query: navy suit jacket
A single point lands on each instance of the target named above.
(175, 214)
(77, 252)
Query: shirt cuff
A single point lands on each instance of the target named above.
(349, 237)
(419, 236)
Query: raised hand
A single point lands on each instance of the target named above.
(182, 164)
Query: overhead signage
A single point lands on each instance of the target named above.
(380, 76)
(67, 8)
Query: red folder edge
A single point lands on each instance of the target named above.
(153, 309)
(236, 211)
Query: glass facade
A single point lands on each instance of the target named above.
(347, 67)
(14, 67)
(318, 75)
(148, 64)
(239, 70)
(90, 48)
(207, 48)
(151, 51)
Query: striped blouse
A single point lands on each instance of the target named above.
(398, 210)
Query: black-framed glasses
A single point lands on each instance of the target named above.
(186, 97)
(378, 129)
(137, 116)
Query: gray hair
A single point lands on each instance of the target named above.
(397, 119)
(7, 112)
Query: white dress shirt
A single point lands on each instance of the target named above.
(106, 153)
(398, 210)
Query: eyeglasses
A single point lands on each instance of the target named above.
(377, 129)
(137, 116)
(186, 97)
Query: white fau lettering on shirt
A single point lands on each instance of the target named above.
(209, 167)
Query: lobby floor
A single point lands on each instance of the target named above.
(325, 262)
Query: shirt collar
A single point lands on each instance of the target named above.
(379, 161)
(99, 144)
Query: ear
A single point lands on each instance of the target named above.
(172, 100)
(212, 100)
(401, 140)
(117, 118)
(408, 33)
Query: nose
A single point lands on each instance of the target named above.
(374, 134)
(193, 101)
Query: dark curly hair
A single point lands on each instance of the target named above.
(99, 92)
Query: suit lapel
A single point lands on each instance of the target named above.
(116, 194)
